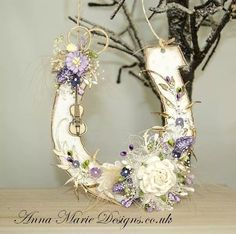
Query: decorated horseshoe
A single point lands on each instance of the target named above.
(154, 171)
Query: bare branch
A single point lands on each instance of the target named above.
(128, 17)
(117, 47)
(168, 6)
(132, 27)
(158, 5)
(213, 37)
(194, 35)
(139, 78)
(120, 4)
(95, 4)
(183, 24)
(122, 68)
(212, 52)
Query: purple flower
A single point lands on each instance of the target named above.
(169, 79)
(180, 93)
(75, 81)
(127, 202)
(76, 163)
(173, 197)
(80, 91)
(125, 172)
(189, 179)
(63, 75)
(70, 159)
(178, 96)
(129, 181)
(182, 144)
(179, 122)
(149, 209)
(95, 172)
(77, 63)
(118, 188)
(151, 206)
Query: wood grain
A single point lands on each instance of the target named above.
(211, 209)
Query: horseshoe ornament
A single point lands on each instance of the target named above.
(163, 151)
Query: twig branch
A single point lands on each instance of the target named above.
(124, 67)
(177, 21)
(212, 38)
(132, 27)
(194, 35)
(117, 47)
(95, 4)
(168, 6)
(214, 35)
(145, 83)
(158, 5)
(120, 4)
(212, 52)
(129, 19)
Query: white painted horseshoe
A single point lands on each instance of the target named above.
(171, 158)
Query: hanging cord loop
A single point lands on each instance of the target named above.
(162, 43)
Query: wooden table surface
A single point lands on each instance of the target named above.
(211, 209)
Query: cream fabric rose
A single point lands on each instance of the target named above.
(156, 176)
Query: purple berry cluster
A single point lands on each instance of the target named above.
(124, 153)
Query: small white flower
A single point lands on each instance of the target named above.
(110, 175)
(71, 47)
(156, 177)
(173, 132)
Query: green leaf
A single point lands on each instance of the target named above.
(161, 156)
(168, 102)
(164, 86)
(121, 178)
(85, 164)
(92, 54)
(180, 177)
(163, 198)
(179, 90)
(171, 142)
(141, 193)
(151, 146)
(127, 190)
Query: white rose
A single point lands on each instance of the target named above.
(156, 176)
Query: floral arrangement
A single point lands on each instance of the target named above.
(74, 64)
(154, 172)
